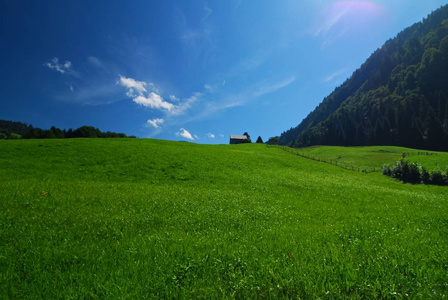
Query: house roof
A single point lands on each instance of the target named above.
(238, 137)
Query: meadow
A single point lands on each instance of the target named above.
(372, 158)
(144, 219)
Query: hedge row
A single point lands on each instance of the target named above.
(414, 173)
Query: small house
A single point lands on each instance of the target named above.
(239, 139)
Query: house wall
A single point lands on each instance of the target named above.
(237, 141)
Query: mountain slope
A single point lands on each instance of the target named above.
(397, 97)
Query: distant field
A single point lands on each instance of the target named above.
(132, 219)
(373, 158)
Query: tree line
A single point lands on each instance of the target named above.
(19, 130)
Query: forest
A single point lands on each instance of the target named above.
(19, 130)
(399, 96)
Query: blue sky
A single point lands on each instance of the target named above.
(186, 70)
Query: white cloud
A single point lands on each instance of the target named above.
(184, 133)
(196, 137)
(153, 101)
(55, 65)
(210, 135)
(156, 122)
(221, 135)
(131, 84)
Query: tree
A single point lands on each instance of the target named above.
(87, 132)
(273, 140)
(248, 137)
(259, 140)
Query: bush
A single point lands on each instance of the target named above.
(397, 170)
(437, 178)
(403, 170)
(386, 169)
(411, 173)
(426, 177)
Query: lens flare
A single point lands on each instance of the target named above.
(349, 17)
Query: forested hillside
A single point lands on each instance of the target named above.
(399, 96)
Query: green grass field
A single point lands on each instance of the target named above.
(133, 219)
(373, 158)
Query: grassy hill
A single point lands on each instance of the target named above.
(105, 218)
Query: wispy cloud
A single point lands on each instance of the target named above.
(156, 122)
(62, 68)
(99, 65)
(274, 87)
(347, 17)
(334, 75)
(185, 134)
(89, 84)
(173, 98)
(95, 61)
(196, 37)
(237, 98)
(331, 21)
(210, 135)
(208, 12)
(185, 105)
(92, 94)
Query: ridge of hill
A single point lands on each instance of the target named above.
(399, 96)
